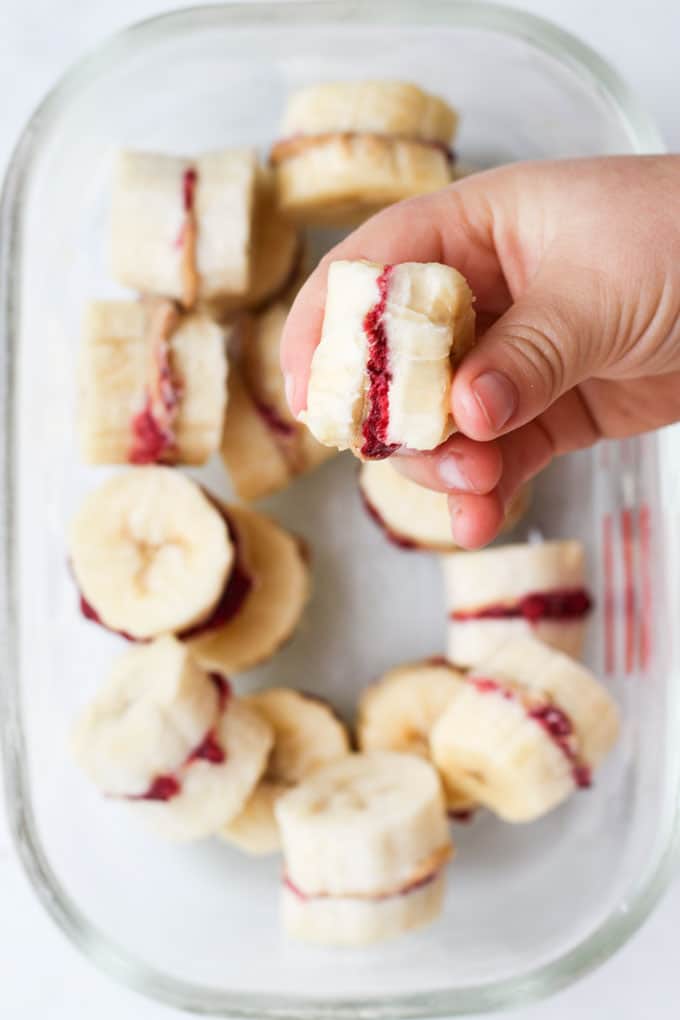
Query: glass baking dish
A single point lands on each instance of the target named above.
(528, 908)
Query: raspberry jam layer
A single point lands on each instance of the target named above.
(410, 887)
(235, 593)
(167, 786)
(559, 604)
(288, 148)
(273, 420)
(376, 423)
(553, 720)
(189, 179)
(153, 436)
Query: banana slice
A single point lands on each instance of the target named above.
(167, 224)
(414, 517)
(368, 828)
(150, 553)
(154, 710)
(350, 148)
(275, 560)
(348, 921)
(382, 373)
(213, 790)
(525, 730)
(152, 384)
(397, 713)
(534, 590)
(307, 735)
(277, 252)
(264, 448)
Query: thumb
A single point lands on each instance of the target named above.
(549, 340)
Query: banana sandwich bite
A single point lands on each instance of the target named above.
(365, 843)
(153, 384)
(182, 227)
(537, 589)
(391, 339)
(264, 448)
(172, 741)
(347, 149)
(307, 734)
(413, 517)
(152, 554)
(526, 728)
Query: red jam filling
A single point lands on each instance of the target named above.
(462, 817)
(560, 604)
(166, 787)
(410, 887)
(153, 437)
(233, 596)
(189, 189)
(399, 540)
(556, 724)
(150, 442)
(377, 420)
(272, 419)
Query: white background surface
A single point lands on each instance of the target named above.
(41, 976)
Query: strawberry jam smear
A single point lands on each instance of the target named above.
(553, 720)
(168, 786)
(392, 536)
(376, 424)
(235, 593)
(559, 604)
(410, 887)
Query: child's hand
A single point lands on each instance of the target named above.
(576, 270)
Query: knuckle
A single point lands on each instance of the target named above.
(541, 355)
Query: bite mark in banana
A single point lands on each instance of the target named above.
(307, 735)
(534, 590)
(524, 730)
(391, 338)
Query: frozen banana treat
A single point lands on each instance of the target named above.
(153, 384)
(181, 227)
(524, 730)
(391, 339)
(264, 448)
(153, 554)
(172, 741)
(536, 589)
(413, 517)
(349, 148)
(365, 844)
(307, 735)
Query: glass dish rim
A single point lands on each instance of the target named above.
(95, 945)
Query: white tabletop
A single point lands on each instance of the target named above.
(41, 975)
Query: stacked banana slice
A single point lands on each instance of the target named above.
(391, 338)
(365, 841)
(350, 148)
(152, 384)
(153, 554)
(264, 448)
(497, 594)
(182, 227)
(172, 741)
(307, 735)
(414, 517)
(525, 729)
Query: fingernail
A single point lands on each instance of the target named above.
(289, 382)
(452, 473)
(497, 397)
